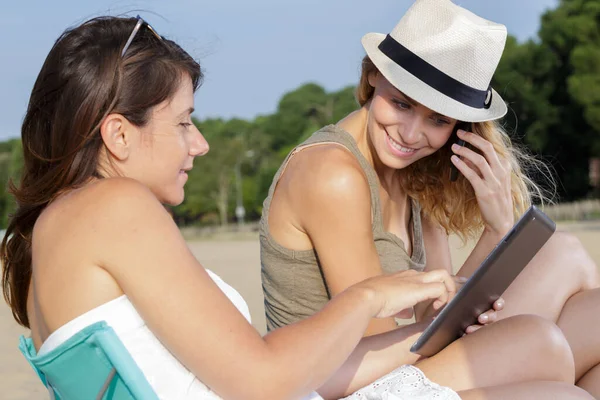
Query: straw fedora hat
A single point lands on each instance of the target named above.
(444, 57)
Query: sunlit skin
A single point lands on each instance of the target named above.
(113, 237)
(323, 202)
(400, 130)
(150, 262)
(393, 131)
(160, 154)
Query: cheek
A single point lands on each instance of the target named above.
(166, 157)
(175, 149)
(439, 139)
(182, 144)
(384, 113)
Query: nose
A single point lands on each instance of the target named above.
(199, 146)
(412, 131)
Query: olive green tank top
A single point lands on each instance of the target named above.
(293, 283)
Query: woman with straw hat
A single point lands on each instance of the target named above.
(373, 193)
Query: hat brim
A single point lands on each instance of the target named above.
(421, 92)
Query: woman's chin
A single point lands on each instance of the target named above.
(174, 199)
(392, 162)
(177, 201)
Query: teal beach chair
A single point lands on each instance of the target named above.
(92, 364)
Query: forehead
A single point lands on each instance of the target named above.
(182, 99)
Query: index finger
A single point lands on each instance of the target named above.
(459, 281)
(441, 275)
(499, 304)
(485, 146)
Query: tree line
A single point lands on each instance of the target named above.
(551, 84)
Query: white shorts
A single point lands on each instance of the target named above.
(404, 383)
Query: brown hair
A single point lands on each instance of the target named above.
(453, 205)
(364, 90)
(84, 78)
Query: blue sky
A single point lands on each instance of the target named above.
(252, 51)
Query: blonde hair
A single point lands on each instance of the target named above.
(453, 205)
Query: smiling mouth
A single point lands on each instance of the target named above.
(399, 147)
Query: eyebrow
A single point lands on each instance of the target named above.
(188, 111)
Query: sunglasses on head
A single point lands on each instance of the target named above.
(140, 22)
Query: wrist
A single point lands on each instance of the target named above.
(496, 235)
(368, 297)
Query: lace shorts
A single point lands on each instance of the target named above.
(405, 383)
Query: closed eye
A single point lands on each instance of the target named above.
(440, 121)
(401, 104)
(185, 124)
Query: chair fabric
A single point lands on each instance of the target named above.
(92, 364)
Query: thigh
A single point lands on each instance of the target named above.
(580, 323)
(559, 270)
(528, 391)
(516, 349)
(591, 381)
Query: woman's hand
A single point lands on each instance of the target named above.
(430, 311)
(484, 318)
(491, 180)
(487, 317)
(395, 293)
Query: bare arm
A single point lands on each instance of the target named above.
(334, 210)
(437, 255)
(374, 357)
(198, 324)
(484, 246)
(491, 178)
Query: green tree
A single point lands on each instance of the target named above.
(552, 87)
(210, 182)
(583, 27)
(571, 33)
(11, 165)
(295, 113)
(5, 157)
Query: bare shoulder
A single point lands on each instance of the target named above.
(323, 181)
(326, 171)
(124, 207)
(100, 209)
(118, 191)
(87, 242)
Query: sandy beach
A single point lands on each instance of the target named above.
(237, 262)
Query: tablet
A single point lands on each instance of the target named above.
(488, 282)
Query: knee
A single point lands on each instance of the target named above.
(547, 348)
(576, 259)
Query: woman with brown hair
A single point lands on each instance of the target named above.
(107, 140)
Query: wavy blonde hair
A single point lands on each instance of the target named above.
(453, 205)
